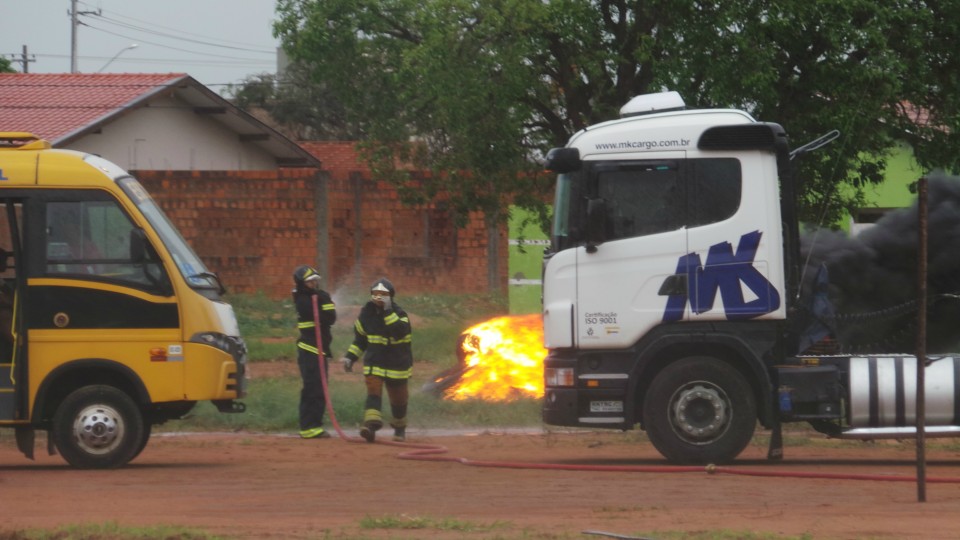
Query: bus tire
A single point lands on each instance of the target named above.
(144, 439)
(98, 427)
(700, 410)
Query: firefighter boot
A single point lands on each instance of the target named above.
(372, 421)
(399, 429)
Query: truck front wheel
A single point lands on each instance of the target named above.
(700, 410)
(98, 427)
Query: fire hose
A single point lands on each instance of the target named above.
(434, 452)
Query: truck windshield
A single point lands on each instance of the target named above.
(188, 263)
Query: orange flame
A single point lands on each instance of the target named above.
(504, 360)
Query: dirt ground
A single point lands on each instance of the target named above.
(242, 485)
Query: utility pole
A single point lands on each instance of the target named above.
(24, 59)
(74, 23)
(73, 36)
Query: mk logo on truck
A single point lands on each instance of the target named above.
(724, 272)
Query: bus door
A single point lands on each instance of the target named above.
(99, 295)
(12, 361)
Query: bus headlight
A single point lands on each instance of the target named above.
(235, 347)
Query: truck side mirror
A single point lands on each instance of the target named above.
(596, 223)
(563, 160)
(138, 246)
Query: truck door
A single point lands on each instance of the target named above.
(619, 285)
(734, 267)
(12, 362)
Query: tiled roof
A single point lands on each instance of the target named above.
(340, 156)
(56, 105)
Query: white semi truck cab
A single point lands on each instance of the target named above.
(668, 291)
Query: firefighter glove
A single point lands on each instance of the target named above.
(347, 364)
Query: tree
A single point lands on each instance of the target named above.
(306, 110)
(475, 91)
(5, 66)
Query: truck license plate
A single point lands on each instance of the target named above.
(606, 406)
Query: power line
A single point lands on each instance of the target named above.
(153, 24)
(160, 44)
(240, 62)
(169, 36)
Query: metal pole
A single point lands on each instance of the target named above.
(121, 51)
(73, 36)
(921, 339)
(74, 23)
(25, 60)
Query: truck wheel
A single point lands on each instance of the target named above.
(98, 427)
(700, 410)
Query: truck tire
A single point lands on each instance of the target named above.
(98, 427)
(700, 410)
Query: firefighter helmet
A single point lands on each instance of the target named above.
(383, 285)
(304, 273)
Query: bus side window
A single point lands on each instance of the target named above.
(91, 240)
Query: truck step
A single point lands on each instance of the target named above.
(897, 433)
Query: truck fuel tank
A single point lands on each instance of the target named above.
(883, 391)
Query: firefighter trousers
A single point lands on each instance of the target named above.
(312, 398)
(397, 393)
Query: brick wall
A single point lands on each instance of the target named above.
(254, 227)
(250, 227)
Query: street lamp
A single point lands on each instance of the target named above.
(121, 51)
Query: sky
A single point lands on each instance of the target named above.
(217, 42)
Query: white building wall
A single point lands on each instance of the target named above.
(167, 135)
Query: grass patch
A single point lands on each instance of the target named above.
(405, 522)
(525, 299)
(272, 407)
(108, 531)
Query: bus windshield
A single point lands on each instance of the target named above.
(188, 263)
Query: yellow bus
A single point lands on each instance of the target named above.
(109, 322)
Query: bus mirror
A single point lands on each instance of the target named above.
(563, 160)
(596, 223)
(138, 246)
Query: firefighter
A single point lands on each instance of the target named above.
(382, 337)
(312, 398)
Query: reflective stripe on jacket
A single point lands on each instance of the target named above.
(383, 339)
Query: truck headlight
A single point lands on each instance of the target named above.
(558, 376)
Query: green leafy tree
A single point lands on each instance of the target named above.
(304, 109)
(5, 66)
(475, 91)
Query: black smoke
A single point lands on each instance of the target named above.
(873, 280)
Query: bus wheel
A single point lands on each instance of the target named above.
(700, 410)
(98, 427)
(147, 429)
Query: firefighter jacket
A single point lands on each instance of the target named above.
(383, 339)
(302, 299)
